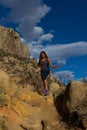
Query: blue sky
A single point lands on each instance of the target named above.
(57, 27)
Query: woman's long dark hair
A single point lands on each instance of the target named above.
(40, 57)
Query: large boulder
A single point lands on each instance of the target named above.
(22, 108)
(75, 102)
(10, 43)
(54, 87)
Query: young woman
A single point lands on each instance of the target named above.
(44, 63)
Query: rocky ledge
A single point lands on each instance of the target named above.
(10, 42)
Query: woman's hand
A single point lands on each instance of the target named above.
(51, 64)
(55, 66)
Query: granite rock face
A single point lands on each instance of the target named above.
(22, 101)
(10, 42)
(23, 109)
(71, 103)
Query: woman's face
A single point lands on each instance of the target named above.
(42, 55)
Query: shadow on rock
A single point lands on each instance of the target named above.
(59, 107)
(61, 100)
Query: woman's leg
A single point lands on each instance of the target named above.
(45, 84)
(44, 75)
(46, 87)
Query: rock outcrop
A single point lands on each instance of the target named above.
(21, 108)
(73, 103)
(23, 105)
(22, 101)
(10, 42)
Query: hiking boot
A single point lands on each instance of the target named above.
(46, 92)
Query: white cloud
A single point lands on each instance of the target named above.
(27, 13)
(60, 52)
(72, 66)
(38, 30)
(64, 51)
(23, 40)
(45, 37)
(64, 76)
(61, 62)
(84, 79)
(36, 33)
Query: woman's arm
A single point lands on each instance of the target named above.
(51, 64)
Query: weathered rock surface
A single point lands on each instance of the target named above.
(76, 101)
(10, 42)
(21, 108)
(76, 97)
(21, 87)
(23, 105)
(73, 103)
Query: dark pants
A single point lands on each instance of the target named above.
(44, 74)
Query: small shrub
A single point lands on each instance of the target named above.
(2, 124)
